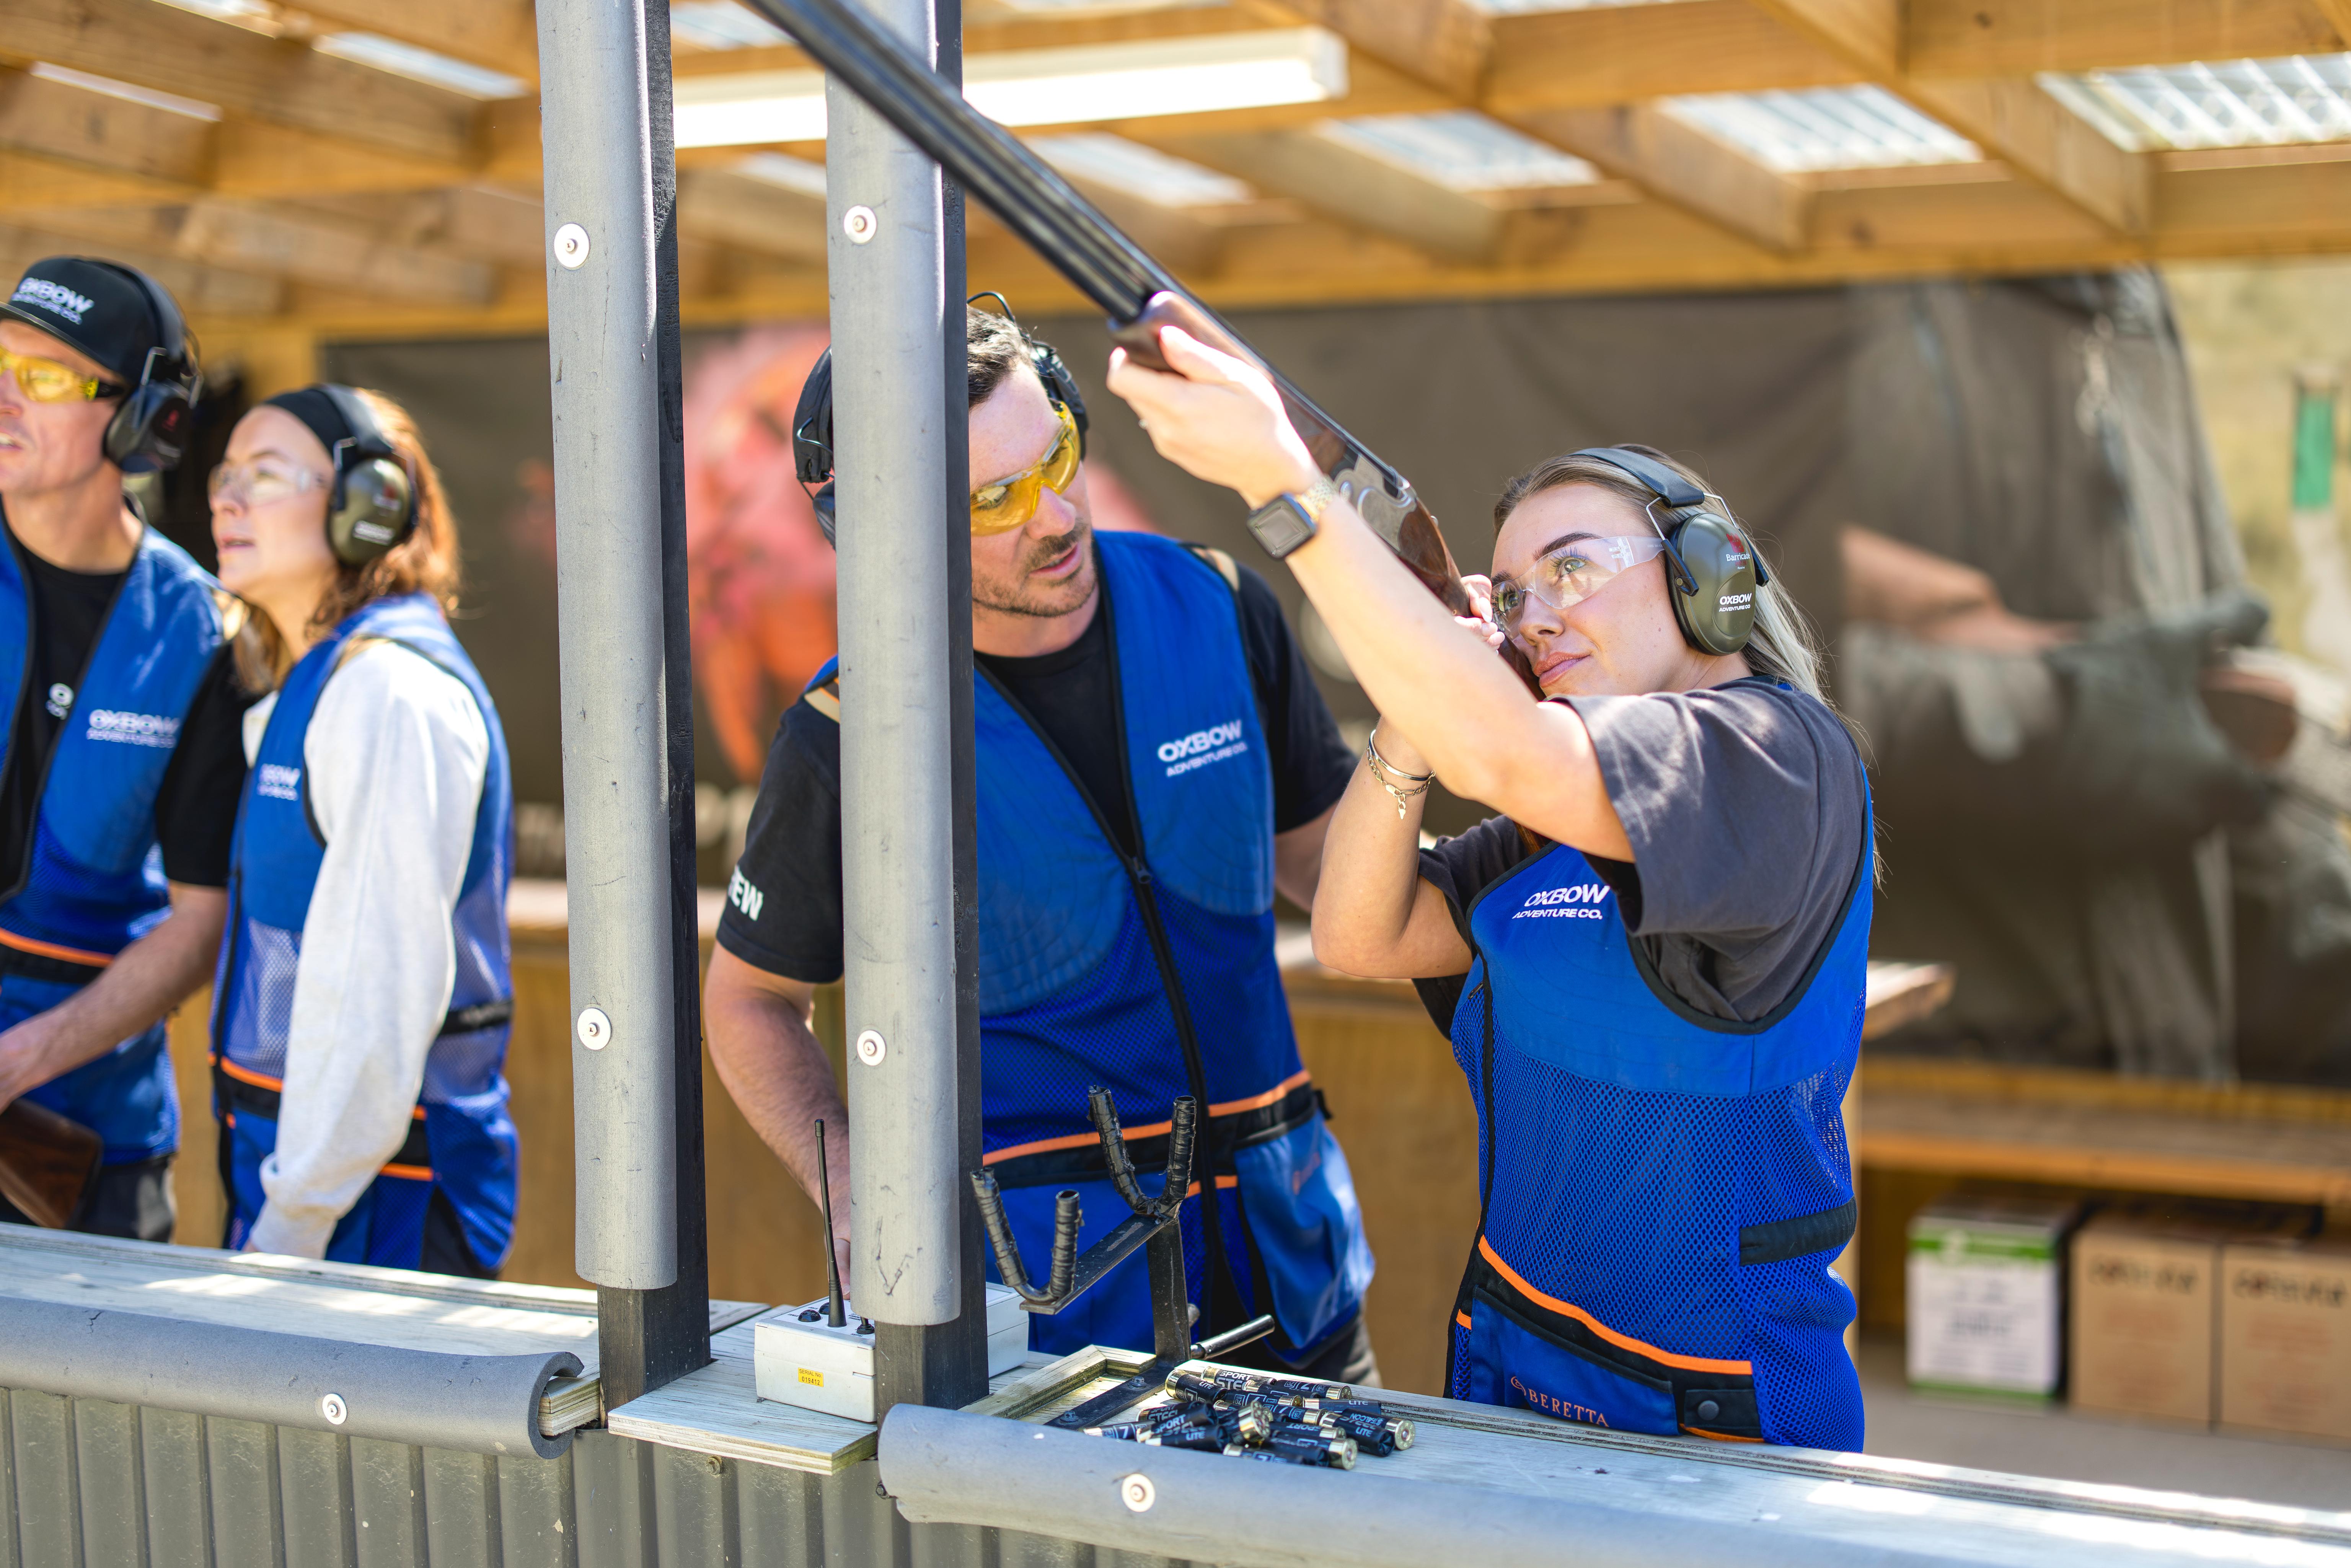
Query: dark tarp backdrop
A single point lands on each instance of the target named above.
(2058, 816)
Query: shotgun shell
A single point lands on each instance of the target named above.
(1193, 1432)
(1381, 1435)
(1313, 1448)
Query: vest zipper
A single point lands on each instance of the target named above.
(81, 679)
(1221, 1303)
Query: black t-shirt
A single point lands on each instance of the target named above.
(1747, 810)
(195, 809)
(783, 910)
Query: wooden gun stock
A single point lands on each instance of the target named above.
(46, 1163)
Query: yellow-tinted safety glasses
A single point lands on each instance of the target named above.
(1001, 508)
(45, 381)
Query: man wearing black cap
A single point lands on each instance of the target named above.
(121, 760)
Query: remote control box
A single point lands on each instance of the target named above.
(799, 1359)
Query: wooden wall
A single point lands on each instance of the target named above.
(1397, 1103)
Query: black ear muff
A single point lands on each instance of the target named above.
(371, 507)
(1059, 385)
(149, 432)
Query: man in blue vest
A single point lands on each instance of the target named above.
(120, 754)
(1153, 762)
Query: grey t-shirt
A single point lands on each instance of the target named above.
(1747, 810)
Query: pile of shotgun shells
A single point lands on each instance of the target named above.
(1274, 1420)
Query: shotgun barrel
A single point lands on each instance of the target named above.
(1137, 294)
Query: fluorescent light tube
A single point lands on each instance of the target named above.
(1048, 87)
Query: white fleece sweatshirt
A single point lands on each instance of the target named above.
(395, 757)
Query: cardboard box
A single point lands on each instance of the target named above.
(2144, 1313)
(1985, 1276)
(2146, 1302)
(2285, 1336)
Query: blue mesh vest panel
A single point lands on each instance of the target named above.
(1071, 991)
(93, 875)
(1667, 1190)
(464, 1136)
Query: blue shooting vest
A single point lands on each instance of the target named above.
(93, 878)
(1664, 1191)
(1154, 979)
(461, 1139)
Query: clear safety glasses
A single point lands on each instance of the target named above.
(1001, 508)
(1571, 574)
(259, 484)
(47, 381)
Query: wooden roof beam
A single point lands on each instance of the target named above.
(246, 238)
(281, 80)
(720, 205)
(2014, 121)
(2020, 38)
(1353, 188)
(1607, 54)
(499, 35)
(1683, 167)
(197, 287)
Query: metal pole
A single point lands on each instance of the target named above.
(627, 720)
(895, 261)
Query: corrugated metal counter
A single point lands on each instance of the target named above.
(701, 1472)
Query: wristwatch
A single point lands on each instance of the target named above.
(1286, 522)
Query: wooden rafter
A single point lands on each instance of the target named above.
(317, 195)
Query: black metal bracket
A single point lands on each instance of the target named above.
(1155, 1225)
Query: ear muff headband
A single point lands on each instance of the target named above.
(812, 415)
(1713, 573)
(372, 505)
(149, 432)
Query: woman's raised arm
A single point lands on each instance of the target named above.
(1438, 682)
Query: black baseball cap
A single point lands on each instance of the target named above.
(100, 307)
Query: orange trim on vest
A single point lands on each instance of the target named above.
(52, 950)
(1621, 1342)
(246, 1075)
(409, 1172)
(1463, 1319)
(1719, 1436)
(262, 1081)
(1224, 1184)
(1153, 1129)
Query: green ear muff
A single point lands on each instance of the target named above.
(1714, 593)
(1712, 571)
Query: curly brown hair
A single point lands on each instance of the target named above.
(426, 561)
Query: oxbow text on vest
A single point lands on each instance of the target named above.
(1581, 902)
(1203, 747)
(134, 729)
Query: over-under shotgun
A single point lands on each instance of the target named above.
(1138, 295)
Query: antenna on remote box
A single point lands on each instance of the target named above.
(834, 1316)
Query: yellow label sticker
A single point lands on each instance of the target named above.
(810, 1374)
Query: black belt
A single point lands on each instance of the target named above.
(235, 1094)
(40, 967)
(1226, 1133)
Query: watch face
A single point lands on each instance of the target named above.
(1280, 525)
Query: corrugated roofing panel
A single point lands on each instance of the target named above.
(1824, 127)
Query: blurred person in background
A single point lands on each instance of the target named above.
(2051, 649)
(1650, 962)
(122, 764)
(361, 1005)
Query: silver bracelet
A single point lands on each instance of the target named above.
(1385, 772)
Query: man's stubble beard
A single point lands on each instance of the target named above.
(1050, 602)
